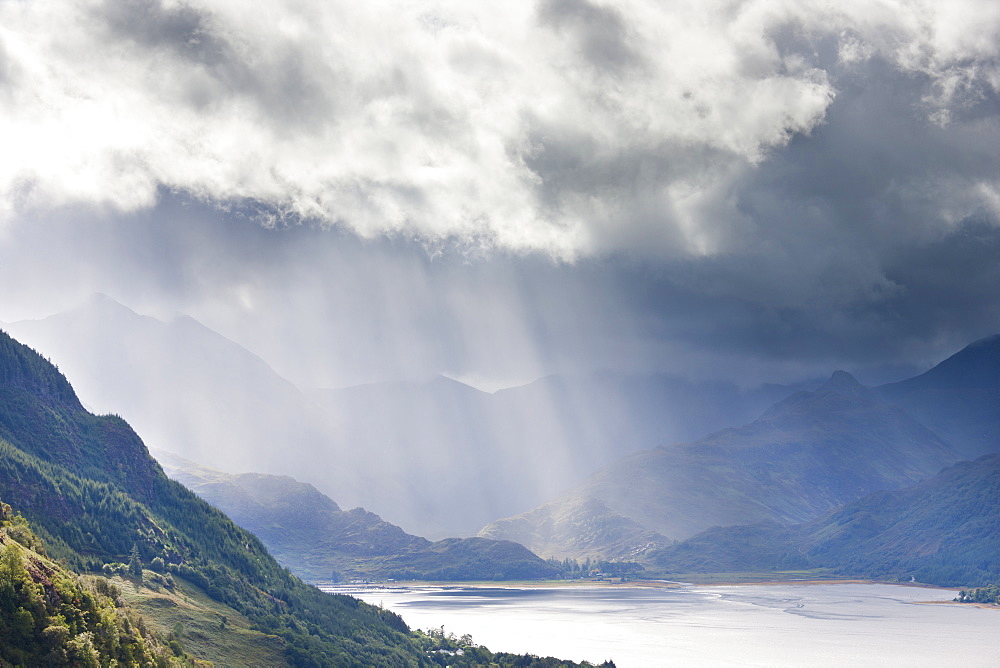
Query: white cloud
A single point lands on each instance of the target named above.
(562, 126)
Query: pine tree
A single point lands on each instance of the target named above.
(135, 563)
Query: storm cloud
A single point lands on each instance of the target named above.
(567, 127)
(507, 191)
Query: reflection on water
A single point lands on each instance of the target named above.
(745, 625)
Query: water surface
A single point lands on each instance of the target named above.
(740, 625)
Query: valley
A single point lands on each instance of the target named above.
(87, 494)
(834, 482)
(544, 334)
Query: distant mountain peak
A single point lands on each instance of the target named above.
(840, 384)
(957, 398)
(987, 342)
(844, 383)
(102, 302)
(975, 366)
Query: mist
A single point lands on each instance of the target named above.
(444, 260)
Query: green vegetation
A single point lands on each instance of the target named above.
(456, 559)
(755, 577)
(99, 524)
(987, 594)
(182, 613)
(573, 569)
(90, 492)
(96, 497)
(50, 616)
(447, 649)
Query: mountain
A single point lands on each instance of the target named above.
(308, 533)
(944, 530)
(424, 453)
(959, 398)
(806, 455)
(96, 497)
(440, 458)
(85, 491)
(437, 457)
(183, 386)
(579, 527)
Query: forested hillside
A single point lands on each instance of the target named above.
(87, 486)
(52, 617)
(94, 493)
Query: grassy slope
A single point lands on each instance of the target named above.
(202, 631)
(52, 616)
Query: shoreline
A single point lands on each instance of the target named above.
(984, 606)
(632, 584)
(402, 587)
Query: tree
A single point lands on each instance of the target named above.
(135, 563)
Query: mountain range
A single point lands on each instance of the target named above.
(959, 398)
(308, 533)
(165, 569)
(90, 489)
(944, 530)
(437, 457)
(807, 455)
(441, 453)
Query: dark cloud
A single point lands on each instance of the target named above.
(180, 29)
(600, 33)
(731, 191)
(949, 286)
(193, 51)
(5, 73)
(572, 128)
(326, 308)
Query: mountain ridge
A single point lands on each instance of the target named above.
(383, 446)
(97, 496)
(944, 530)
(310, 534)
(807, 454)
(957, 398)
(100, 503)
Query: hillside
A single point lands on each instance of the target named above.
(87, 486)
(944, 530)
(51, 616)
(90, 488)
(308, 533)
(806, 455)
(105, 348)
(959, 398)
(579, 528)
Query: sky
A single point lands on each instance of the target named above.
(748, 190)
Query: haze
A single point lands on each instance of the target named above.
(722, 194)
